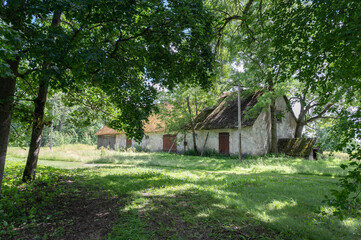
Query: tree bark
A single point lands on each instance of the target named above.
(192, 126)
(239, 124)
(60, 125)
(38, 121)
(273, 117)
(301, 119)
(7, 91)
(299, 129)
(273, 120)
(36, 135)
(51, 129)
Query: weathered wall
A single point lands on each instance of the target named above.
(106, 141)
(120, 140)
(287, 127)
(151, 141)
(255, 139)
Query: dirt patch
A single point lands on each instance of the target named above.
(75, 213)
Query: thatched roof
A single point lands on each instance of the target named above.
(154, 124)
(106, 131)
(225, 114)
(296, 147)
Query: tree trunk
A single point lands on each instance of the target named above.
(36, 135)
(51, 129)
(60, 125)
(299, 129)
(194, 140)
(38, 121)
(239, 124)
(204, 145)
(274, 149)
(192, 126)
(7, 91)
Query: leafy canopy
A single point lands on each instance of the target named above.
(124, 48)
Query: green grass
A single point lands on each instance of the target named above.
(191, 197)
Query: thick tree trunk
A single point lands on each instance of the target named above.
(300, 121)
(36, 135)
(7, 91)
(273, 117)
(299, 129)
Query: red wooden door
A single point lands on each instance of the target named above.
(224, 143)
(169, 142)
(128, 142)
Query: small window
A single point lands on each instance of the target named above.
(146, 136)
(279, 115)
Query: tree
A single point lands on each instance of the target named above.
(320, 41)
(244, 33)
(251, 39)
(180, 108)
(124, 48)
(313, 107)
(68, 127)
(9, 64)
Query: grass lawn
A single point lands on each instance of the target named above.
(84, 193)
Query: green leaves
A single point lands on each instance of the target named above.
(122, 48)
(9, 40)
(319, 42)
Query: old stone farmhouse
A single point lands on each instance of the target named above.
(216, 130)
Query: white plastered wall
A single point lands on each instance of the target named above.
(255, 139)
(287, 127)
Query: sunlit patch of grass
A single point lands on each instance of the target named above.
(277, 205)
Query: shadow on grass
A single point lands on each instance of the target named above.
(224, 206)
(159, 202)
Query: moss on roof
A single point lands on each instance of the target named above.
(225, 114)
(296, 147)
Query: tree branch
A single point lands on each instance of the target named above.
(320, 114)
(234, 17)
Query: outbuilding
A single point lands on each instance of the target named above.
(216, 129)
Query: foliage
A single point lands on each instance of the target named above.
(68, 127)
(180, 108)
(152, 43)
(320, 42)
(23, 204)
(123, 48)
(347, 199)
(10, 41)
